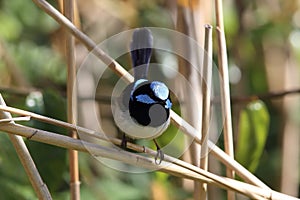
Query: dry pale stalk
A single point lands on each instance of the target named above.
(206, 92)
(68, 9)
(170, 165)
(35, 179)
(224, 86)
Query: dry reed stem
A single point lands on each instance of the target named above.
(182, 125)
(225, 98)
(68, 10)
(185, 24)
(119, 70)
(224, 86)
(170, 165)
(15, 119)
(35, 179)
(225, 91)
(206, 89)
(102, 137)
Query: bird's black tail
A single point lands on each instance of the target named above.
(141, 48)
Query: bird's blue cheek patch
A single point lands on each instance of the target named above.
(168, 104)
(144, 98)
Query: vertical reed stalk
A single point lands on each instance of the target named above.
(68, 9)
(206, 92)
(224, 87)
(192, 98)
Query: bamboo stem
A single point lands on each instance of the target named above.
(35, 179)
(206, 91)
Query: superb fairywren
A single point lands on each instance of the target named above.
(143, 108)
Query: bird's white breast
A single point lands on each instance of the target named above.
(133, 129)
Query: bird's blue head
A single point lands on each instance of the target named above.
(150, 103)
(161, 91)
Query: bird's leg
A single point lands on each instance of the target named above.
(159, 155)
(124, 141)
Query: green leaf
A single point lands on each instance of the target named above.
(253, 131)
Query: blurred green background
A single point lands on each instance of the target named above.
(263, 39)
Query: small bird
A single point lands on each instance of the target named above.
(142, 111)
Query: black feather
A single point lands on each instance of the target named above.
(141, 49)
(145, 114)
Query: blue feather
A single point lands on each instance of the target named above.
(168, 104)
(144, 98)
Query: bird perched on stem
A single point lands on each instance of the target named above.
(143, 109)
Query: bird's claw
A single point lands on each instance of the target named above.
(159, 157)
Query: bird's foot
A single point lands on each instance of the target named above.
(159, 157)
